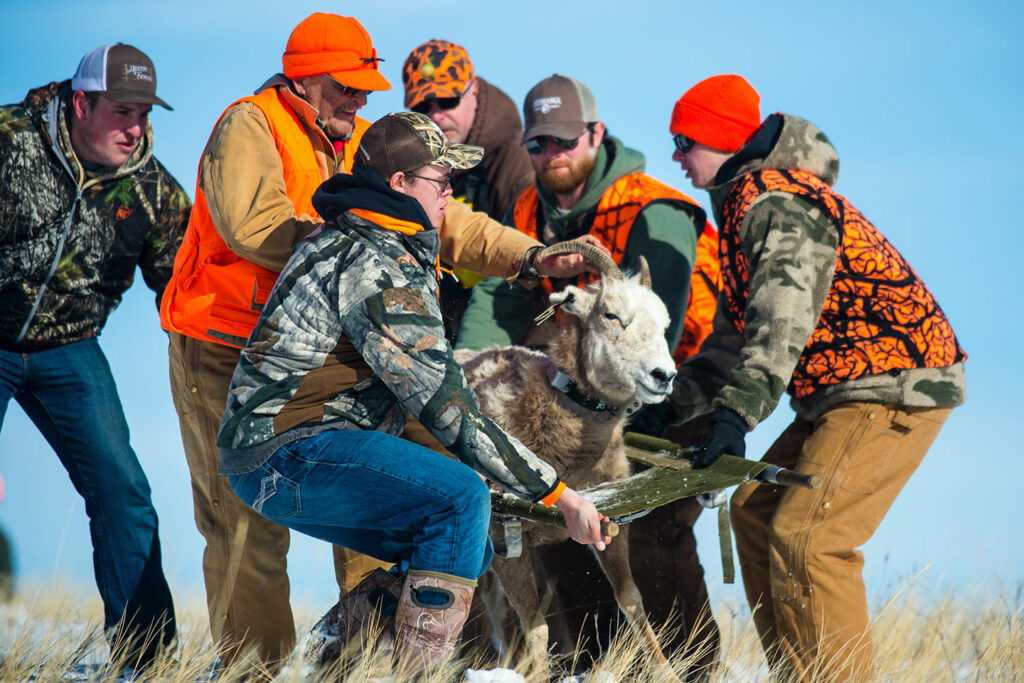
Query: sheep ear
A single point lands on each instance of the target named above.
(574, 300)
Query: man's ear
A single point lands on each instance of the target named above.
(599, 131)
(397, 182)
(299, 85)
(574, 300)
(80, 105)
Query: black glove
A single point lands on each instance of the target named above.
(728, 430)
(653, 419)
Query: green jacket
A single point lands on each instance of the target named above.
(500, 314)
(70, 238)
(791, 247)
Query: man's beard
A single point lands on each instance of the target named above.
(563, 183)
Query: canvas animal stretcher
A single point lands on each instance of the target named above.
(668, 478)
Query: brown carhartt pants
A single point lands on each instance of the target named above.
(797, 547)
(245, 561)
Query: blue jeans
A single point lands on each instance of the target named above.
(70, 395)
(379, 495)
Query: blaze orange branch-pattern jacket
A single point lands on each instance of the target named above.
(816, 301)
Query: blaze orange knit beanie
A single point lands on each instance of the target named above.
(721, 112)
(334, 45)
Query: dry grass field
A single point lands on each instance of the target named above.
(50, 634)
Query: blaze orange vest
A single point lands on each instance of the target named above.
(214, 294)
(616, 211)
(878, 317)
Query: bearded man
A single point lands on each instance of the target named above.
(589, 182)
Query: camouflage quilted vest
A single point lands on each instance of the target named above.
(878, 316)
(619, 206)
(214, 294)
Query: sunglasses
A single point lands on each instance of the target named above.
(346, 90)
(443, 103)
(538, 144)
(683, 143)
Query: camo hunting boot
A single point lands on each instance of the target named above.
(363, 614)
(431, 613)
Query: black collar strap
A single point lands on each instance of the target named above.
(567, 385)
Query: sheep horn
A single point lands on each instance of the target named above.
(591, 254)
(645, 272)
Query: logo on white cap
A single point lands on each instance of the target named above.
(138, 71)
(545, 104)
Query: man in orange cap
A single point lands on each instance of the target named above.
(265, 158)
(816, 302)
(441, 83)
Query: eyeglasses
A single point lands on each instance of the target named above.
(538, 144)
(683, 143)
(346, 90)
(444, 184)
(443, 103)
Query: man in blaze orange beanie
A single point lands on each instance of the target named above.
(718, 115)
(816, 302)
(720, 112)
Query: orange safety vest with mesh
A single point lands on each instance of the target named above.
(616, 211)
(878, 317)
(214, 294)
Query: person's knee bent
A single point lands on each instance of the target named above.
(475, 503)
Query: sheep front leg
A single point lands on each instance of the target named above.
(614, 561)
(516, 578)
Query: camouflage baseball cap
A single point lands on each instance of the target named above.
(434, 70)
(405, 141)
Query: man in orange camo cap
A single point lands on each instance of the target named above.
(442, 84)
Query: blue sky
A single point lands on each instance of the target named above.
(921, 99)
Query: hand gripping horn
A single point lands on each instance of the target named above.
(591, 255)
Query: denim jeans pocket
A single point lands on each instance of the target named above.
(277, 496)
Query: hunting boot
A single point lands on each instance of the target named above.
(431, 613)
(364, 614)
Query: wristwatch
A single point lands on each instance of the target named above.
(529, 268)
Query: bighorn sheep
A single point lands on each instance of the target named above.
(608, 358)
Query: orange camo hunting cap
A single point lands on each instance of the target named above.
(436, 69)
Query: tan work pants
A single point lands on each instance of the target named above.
(797, 547)
(245, 561)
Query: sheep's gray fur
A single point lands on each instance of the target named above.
(612, 345)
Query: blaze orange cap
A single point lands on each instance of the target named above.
(334, 45)
(721, 112)
(436, 69)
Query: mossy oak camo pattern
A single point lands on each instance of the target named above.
(132, 215)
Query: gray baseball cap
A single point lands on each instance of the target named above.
(559, 106)
(120, 72)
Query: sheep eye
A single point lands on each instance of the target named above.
(612, 316)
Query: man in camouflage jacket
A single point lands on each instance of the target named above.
(818, 303)
(83, 201)
(348, 348)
